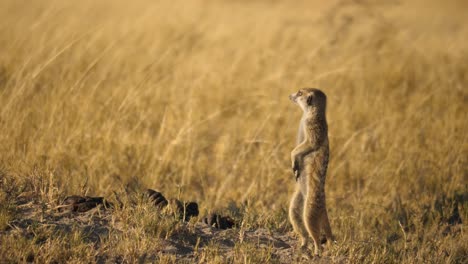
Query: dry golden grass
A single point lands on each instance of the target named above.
(190, 97)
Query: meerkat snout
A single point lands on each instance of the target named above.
(292, 97)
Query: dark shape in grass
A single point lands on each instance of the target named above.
(182, 209)
(157, 198)
(218, 221)
(191, 210)
(76, 203)
(453, 218)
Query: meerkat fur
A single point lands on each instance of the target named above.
(307, 211)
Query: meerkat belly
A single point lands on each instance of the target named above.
(315, 167)
(316, 163)
(302, 183)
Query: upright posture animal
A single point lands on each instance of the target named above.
(307, 211)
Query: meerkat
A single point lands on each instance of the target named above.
(307, 211)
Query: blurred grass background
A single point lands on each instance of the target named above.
(190, 98)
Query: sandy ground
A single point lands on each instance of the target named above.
(98, 224)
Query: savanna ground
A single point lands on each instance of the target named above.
(108, 98)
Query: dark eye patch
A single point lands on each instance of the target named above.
(299, 93)
(310, 99)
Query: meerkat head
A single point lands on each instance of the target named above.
(310, 99)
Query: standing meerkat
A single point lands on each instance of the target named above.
(307, 211)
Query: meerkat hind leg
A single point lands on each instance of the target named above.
(296, 216)
(313, 225)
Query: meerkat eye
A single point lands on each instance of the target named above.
(299, 93)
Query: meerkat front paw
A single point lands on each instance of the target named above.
(296, 167)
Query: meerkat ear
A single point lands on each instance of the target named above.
(310, 99)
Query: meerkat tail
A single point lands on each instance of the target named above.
(327, 227)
